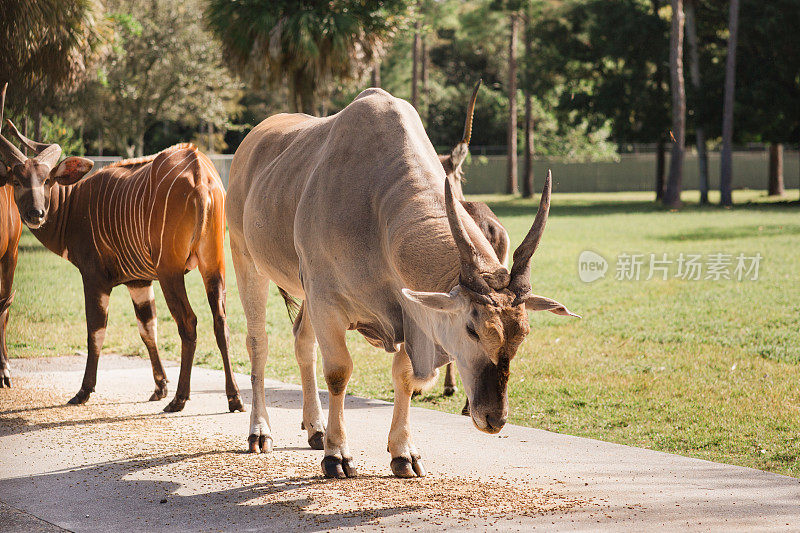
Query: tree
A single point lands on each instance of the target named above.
(672, 196)
(163, 66)
(511, 186)
(726, 157)
(303, 43)
(775, 185)
(694, 73)
(45, 47)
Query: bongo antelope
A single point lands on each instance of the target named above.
(131, 223)
(10, 231)
(366, 230)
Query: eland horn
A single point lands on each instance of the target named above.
(470, 260)
(521, 269)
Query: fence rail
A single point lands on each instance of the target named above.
(633, 172)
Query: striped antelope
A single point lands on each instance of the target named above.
(133, 222)
(10, 231)
(481, 213)
(365, 229)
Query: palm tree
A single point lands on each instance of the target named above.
(672, 196)
(726, 162)
(45, 46)
(304, 43)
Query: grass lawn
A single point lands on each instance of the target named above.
(702, 368)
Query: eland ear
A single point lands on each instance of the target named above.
(72, 169)
(438, 301)
(534, 302)
(5, 174)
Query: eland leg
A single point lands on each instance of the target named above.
(172, 284)
(305, 351)
(337, 366)
(406, 460)
(96, 299)
(144, 306)
(253, 292)
(450, 380)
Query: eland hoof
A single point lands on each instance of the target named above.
(316, 441)
(259, 444)
(333, 467)
(402, 467)
(450, 390)
(235, 404)
(5, 382)
(177, 404)
(465, 409)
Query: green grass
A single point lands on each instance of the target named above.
(701, 368)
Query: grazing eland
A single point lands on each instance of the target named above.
(354, 215)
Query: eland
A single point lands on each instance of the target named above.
(354, 215)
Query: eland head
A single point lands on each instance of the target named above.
(483, 320)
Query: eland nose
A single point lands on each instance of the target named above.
(35, 214)
(495, 423)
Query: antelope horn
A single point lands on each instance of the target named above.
(8, 151)
(470, 113)
(46, 153)
(470, 275)
(521, 269)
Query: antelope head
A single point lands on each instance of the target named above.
(33, 178)
(483, 320)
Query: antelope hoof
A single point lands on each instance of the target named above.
(235, 404)
(161, 391)
(316, 441)
(81, 398)
(333, 467)
(465, 409)
(176, 404)
(402, 467)
(449, 390)
(5, 382)
(259, 444)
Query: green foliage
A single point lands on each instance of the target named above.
(304, 43)
(162, 66)
(56, 130)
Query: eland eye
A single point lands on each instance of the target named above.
(472, 333)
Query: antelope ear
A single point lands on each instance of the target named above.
(534, 302)
(71, 170)
(459, 154)
(5, 174)
(438, 301)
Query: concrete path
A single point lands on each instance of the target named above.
(119, 463)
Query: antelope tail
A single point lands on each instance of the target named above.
(202, 202)
(292, 304)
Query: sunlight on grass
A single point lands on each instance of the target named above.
(702, 368)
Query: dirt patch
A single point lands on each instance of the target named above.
(144, 444)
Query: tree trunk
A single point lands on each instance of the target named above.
(726, 162)
(376, 73)
(776, 170)
(415, 63)
(210, 138)
(661, 167)
(672, 196)
(511, 185)
(37, 127)
(140, 143)
(694, 74)
(527, 178)
(100, 141)
(424, 67)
